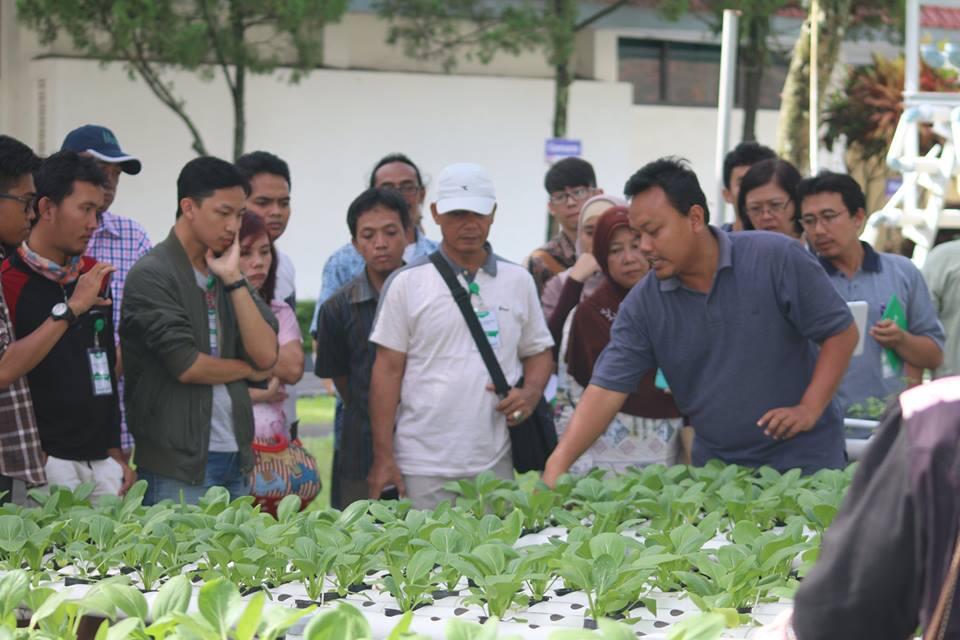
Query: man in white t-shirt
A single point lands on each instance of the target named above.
(269, 178)
(433, 411)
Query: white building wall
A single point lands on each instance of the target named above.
(334, 125)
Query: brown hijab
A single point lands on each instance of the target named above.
(590, 328)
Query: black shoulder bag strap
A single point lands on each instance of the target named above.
(462, 298)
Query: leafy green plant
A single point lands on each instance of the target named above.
(496, 581)
(410, 580)
(612, 570)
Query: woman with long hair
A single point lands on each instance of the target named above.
(282, 466)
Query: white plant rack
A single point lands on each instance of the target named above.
(928, 175)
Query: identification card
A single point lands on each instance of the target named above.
(100, 372)
(886, 367)
(488, 321)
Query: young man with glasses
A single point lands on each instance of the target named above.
(832, 207)
(569, 183)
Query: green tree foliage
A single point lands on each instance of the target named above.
(448, 30)
(837, 20)
(230, 37)
(754, 52)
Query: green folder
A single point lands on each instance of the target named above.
(895, 311)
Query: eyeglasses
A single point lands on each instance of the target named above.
(577, 194)
(26, 201)
(827, 217)
(775, 207)
(406, 188)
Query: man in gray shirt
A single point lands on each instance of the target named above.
(734, 321)
(833, 208)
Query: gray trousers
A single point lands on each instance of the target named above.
(426, 492)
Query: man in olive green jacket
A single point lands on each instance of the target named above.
(192, 333)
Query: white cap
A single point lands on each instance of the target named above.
(465, 186)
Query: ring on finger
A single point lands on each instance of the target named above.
(516, 415)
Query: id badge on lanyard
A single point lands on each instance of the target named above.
(99, 364)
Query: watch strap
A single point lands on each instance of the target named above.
(68, 316)
(233, 286)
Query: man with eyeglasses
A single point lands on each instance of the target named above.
(118, 240)
(569, 183)
(833, 211)
(394, 171)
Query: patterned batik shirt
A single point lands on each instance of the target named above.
(121, 242)
(20, 453)
(561, 249)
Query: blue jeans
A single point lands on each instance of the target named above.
(223, 470)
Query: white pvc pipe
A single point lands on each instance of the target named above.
(911, 77)
(728, 70)
(814, 109)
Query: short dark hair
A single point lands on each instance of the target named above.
(373, 198)
(200, 177)
(677, 180)
(569, 172)
(58, 172)
(830, 182)
(783, 173)
(391, 158)
(745, 154)
(16, 161)
(256, 162)
(252, 226)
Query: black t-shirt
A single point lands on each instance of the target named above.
(74, 424)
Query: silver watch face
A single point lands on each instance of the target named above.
(60, 309)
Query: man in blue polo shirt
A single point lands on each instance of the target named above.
(734, 321)
(832, 209)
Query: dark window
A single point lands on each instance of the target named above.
(687, 74)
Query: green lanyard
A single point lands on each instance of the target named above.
(98, 326)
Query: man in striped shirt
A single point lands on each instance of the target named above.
(118, 240)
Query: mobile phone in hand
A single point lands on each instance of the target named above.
(105, 285)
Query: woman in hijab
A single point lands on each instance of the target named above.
(584, 276)
(647, 429)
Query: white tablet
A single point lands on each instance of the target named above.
(859, 309)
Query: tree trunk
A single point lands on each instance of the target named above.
(239, 92)
(561, 99)
(239, 112)
(754, 54)
(792, 134)
(561, 22)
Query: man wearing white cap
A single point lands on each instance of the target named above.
(118, 240)
(433, 411)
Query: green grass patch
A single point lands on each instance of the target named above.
(316, 410)
(322, 450)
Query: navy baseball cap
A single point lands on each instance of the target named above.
(100, 143)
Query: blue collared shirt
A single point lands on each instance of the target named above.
(880, 276)
(346, 264)
(734, 353)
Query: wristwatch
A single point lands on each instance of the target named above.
(233, 286)
(62, 311)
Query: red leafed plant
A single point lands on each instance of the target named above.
(869, 106)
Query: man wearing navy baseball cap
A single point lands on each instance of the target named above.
(118, 240)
